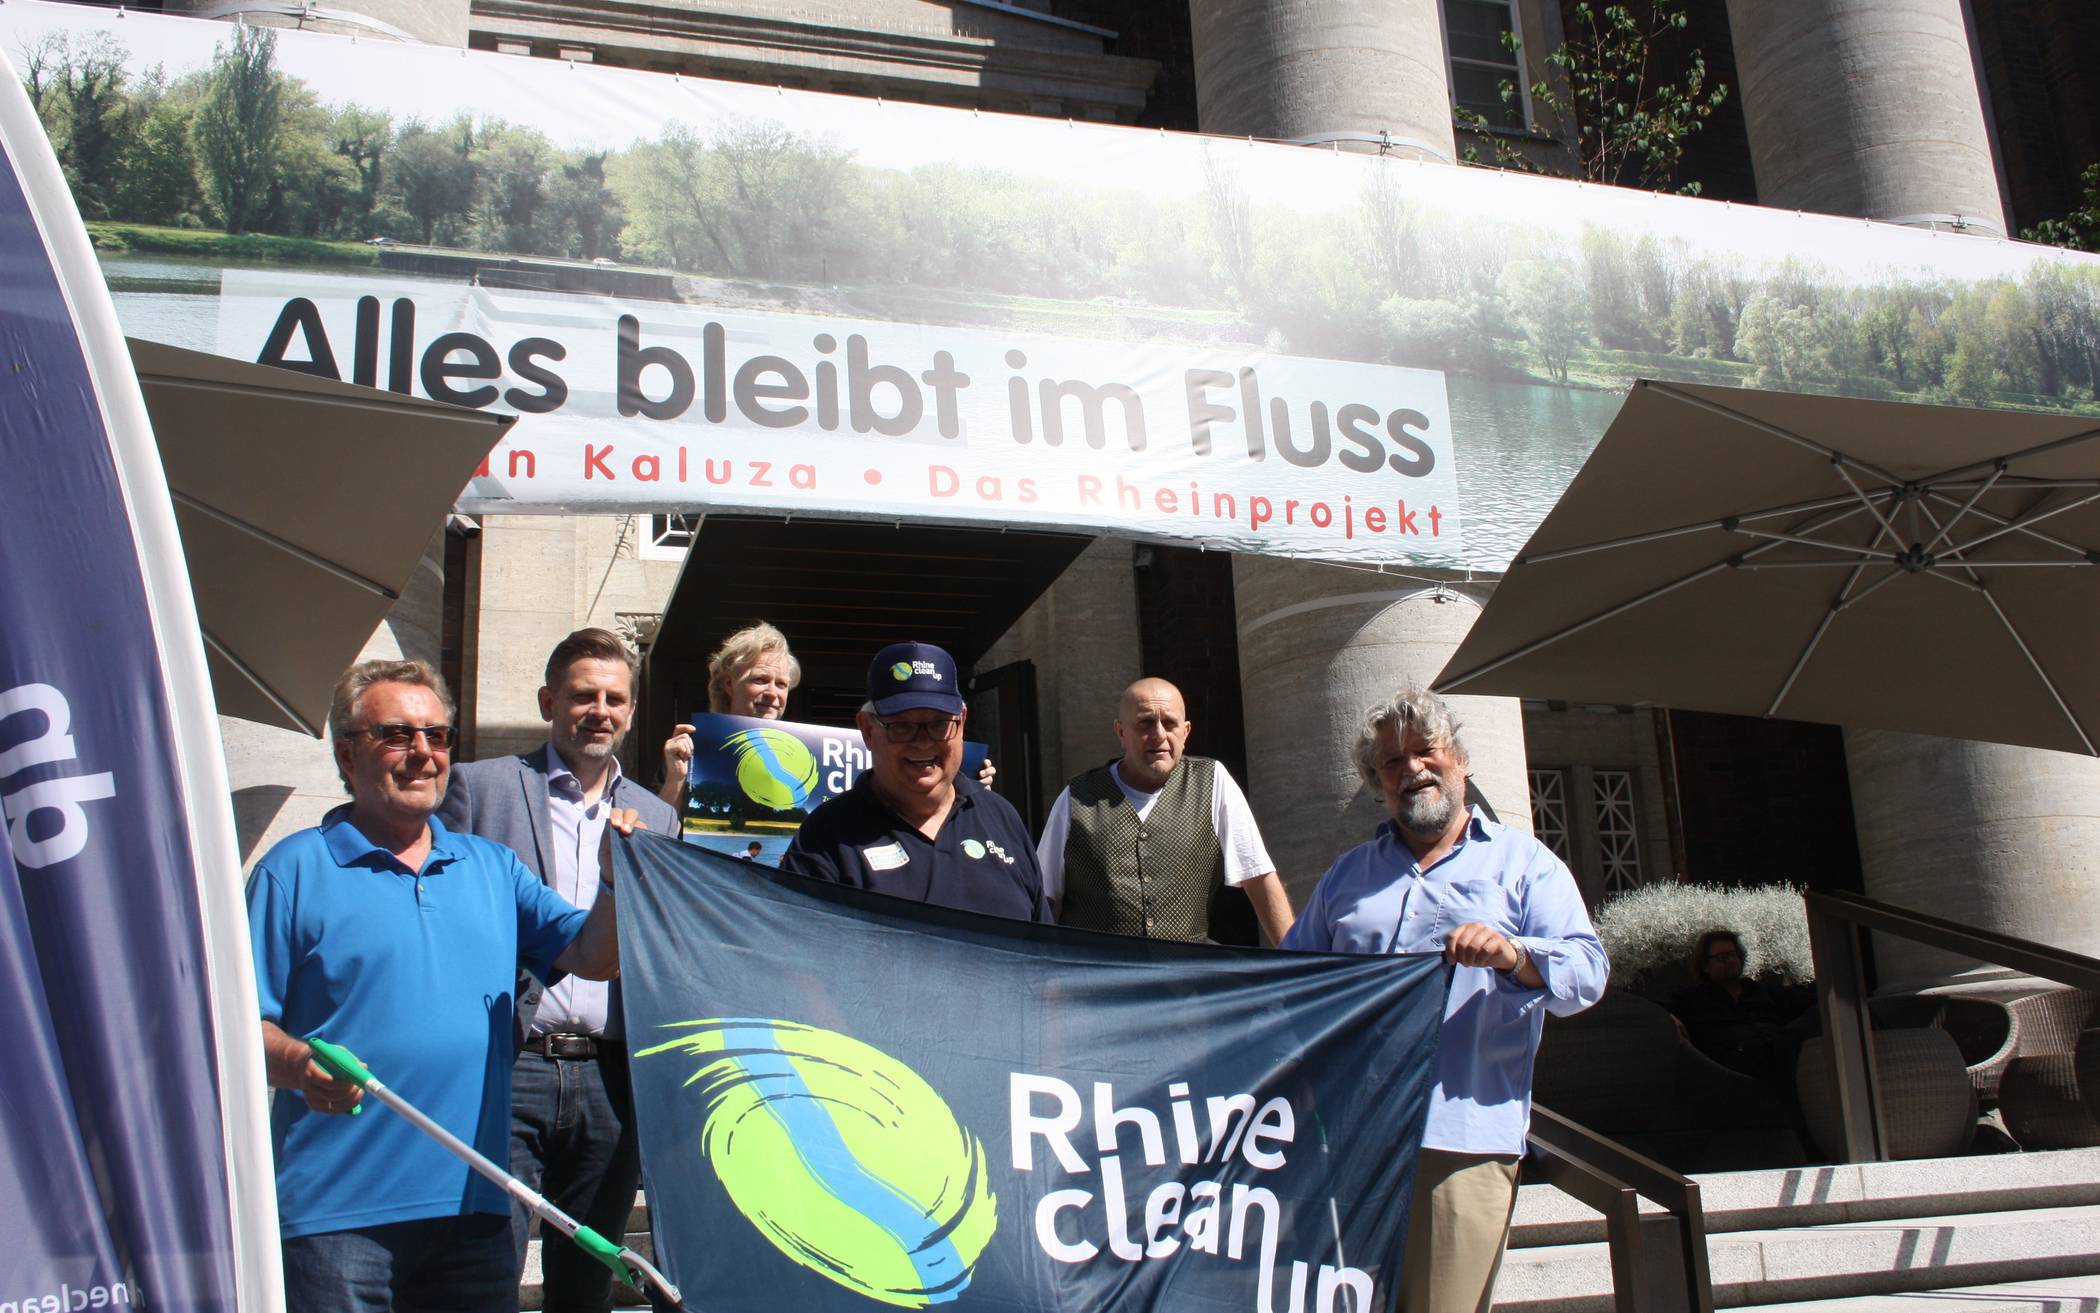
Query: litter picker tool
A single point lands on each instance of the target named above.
(637, 1271)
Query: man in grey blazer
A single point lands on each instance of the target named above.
(572, 1113)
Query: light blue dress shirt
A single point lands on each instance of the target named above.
(1377, 899)
(576, 1006)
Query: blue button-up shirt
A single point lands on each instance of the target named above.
(1377, 899)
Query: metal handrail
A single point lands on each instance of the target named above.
(1613, 1179)
(1837, 923)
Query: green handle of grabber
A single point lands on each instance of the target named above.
(605, 1251)
(340, 1063)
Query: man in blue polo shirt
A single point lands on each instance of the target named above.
(384, 931)
(911, 826)
(1441, 877)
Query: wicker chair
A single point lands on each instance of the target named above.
(1985, 1030)
(2046, 1097)
(1928, 1106)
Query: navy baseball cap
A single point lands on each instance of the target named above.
(912, 677)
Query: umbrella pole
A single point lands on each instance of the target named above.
(631, 1267)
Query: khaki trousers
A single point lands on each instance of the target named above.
(1456, 1231)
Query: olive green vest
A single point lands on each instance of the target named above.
(1152, 878)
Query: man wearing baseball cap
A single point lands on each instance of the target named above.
(911, 826)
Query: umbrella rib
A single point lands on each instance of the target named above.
(1888, 527)
(1996, 518)
(1851, 508)
(1842, 601)
(2039, 673)
(1576, 628)
(262, 686)
(1853, 549)
(2022, 525)
(2054, 444)
(1966, 506)
(291, 549)
(1703, 526)
(1835, 456)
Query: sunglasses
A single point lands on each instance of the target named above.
(399, 738)
(909, 731)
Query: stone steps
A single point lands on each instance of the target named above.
(1852, 1237)
(2011, 1233)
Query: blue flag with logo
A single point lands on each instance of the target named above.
(132, 1172)
(847, 1100)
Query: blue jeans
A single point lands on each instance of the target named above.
(572, 1139)
(461, 1264)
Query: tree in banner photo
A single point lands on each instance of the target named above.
(849, 1101)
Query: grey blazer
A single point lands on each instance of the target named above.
(505, 800)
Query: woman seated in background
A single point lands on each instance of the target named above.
(751, 674)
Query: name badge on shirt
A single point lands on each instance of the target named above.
(885, 857)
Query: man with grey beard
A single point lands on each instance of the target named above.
(1440, 877)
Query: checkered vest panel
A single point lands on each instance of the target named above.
(1153, 877)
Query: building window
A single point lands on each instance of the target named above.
(1618, 829)
(669, 536)
(1480, 63)
(1549, 813)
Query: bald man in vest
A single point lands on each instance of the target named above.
(1138, 845)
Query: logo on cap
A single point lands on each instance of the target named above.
(901, 671)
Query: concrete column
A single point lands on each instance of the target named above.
(1871, 107)
(1342, 70)
(1320, 644)
(1998, 838)
(439, 23)
(1866, 107)
(284, 781)
(1082, 635)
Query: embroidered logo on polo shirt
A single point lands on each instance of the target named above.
(885, 857)
(977, 849)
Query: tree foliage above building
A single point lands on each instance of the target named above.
(1607, 85)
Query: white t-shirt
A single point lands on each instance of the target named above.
(1245, 857)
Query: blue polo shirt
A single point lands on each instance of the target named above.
(981, 860)
(413, 971)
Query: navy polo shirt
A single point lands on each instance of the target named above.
(980, 861)
(413, 971)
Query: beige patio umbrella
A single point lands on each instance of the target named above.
(303, 505)
(1864, 563)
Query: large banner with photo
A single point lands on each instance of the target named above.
(702, 295)
(849, 1101)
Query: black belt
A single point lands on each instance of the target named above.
(574, 1047)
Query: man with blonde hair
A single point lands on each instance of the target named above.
(1441, 877)
(384, 930)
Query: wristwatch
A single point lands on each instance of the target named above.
(1523, 956)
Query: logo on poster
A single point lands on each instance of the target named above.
(845, 1159)
(773, 768)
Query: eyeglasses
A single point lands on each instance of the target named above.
(1724, 955)
(910, 731)
(399, 738)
